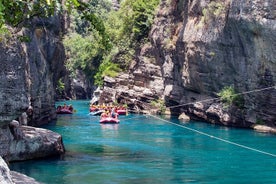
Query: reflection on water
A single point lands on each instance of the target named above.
(109, 126)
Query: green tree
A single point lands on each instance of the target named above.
(128, 28)
(107, 68)
(83, 52)
(137, 16)
(85, 47)
(229, 96)
(17, 12)
(160, 104)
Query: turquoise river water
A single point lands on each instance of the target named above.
(143, 149)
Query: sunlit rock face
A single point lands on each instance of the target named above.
(199, 47)
(32, 60)
(214, 44)
(13, 87)
(20, 142)
(5, 176)
(45, 59)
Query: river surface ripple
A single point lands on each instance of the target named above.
(143, 149)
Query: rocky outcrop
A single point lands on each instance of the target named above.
(125, 89)
(11, 177)
(45, 64)
(263, 128)
(227, 43)
(19, 178)
(25, 142)
(34, 143)
(199, 47)
(5, 176)
(13, 88)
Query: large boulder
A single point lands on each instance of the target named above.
(30, 143)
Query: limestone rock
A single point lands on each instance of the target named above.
(19, 178)
(196, 49)
(263, 128)
(13, 91)
(12, 177)
(216, 111)
(77, 86)
(30, 70)
(5, 176)
(184, 117)
(34, 143)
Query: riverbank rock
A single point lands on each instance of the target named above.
(265, 129)
(18, 178)
(30, 143)
(125, 90)
(5, 176)
(12, 177)
(184, 117)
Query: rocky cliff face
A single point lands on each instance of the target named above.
(199, 47)
(77, 87)
(32, 60)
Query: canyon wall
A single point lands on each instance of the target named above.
(32, 60)
(198, 47)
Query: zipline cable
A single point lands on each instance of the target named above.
(130, 118)
(211, 99)
(214, 137)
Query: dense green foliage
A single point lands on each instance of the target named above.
(137, 16)
(83, 53)
(106, 68)
(60, 86)
(15, 12)
(229, 96)
(124, 30)
(86, 47)
(4, 34)
(160, 105)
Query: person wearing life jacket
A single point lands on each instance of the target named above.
(105, 114)
(114, 114)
